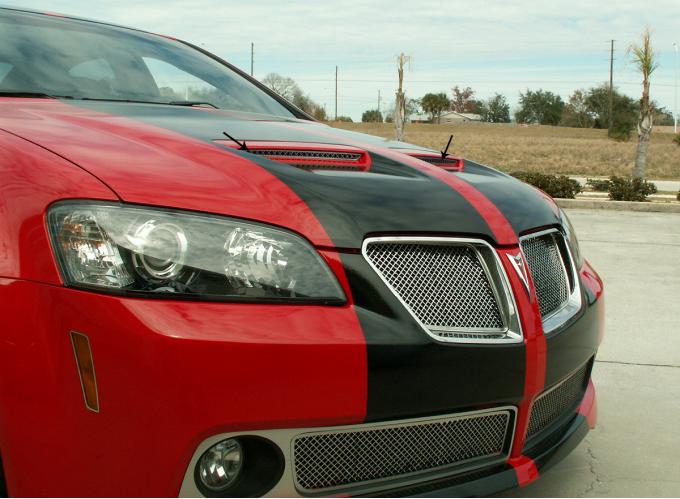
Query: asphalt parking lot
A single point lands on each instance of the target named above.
(635, 450)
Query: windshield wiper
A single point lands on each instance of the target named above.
(191, 103)
(161, 103)
(37, 95)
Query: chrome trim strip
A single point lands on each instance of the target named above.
(505, 298)
(573, 304)
(284, 439)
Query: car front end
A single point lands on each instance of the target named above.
(244, 302)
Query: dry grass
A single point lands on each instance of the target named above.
(546, 149)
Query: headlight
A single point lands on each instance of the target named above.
(572, 239)
(139, 250)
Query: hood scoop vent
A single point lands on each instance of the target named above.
(310, 156)
(449, 163)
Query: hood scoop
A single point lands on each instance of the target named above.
(449, 163)
(308, 156)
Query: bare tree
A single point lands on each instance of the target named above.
(400, 104)
(645, 60)
(282, 85)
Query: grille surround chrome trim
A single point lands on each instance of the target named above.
(284, 437)
(573, 304)
(505, 298)
(369, 486)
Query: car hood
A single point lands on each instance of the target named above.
(168, 156)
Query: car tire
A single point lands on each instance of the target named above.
(3, 484)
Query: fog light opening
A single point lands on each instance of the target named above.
(220, 466)
(243, 466)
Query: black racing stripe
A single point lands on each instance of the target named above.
(571, 346)
(412, 375)
(518, 201)
(392, 198)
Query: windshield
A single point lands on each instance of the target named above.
(84, 60)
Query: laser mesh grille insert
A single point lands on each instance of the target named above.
(547, 271)
(554, 403)
(445, 286)
(302, 154)
(343, 458)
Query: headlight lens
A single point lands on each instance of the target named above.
(151, 251)
(572, 239)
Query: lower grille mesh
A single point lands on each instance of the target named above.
(555, 402)
(445, 286)
(336, 459)
(547, 271)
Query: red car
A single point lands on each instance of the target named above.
(203, 291)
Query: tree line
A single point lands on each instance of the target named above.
(585, 107)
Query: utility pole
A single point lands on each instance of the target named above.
(675, 100)
(611, 89)
(378, 101)
(252, 57)
(336, 93)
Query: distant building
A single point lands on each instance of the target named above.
(447, 118)
(452, 117)
(419, 118)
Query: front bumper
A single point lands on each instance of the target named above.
(173, 375)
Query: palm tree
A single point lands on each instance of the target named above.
(645, 60)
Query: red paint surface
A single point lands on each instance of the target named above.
(593, 281)
(526, 470)
(535, 347)
(31, 178)
(170, 374)
(119, 149)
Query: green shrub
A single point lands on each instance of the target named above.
(557, 186)
(630, 189)
(678, 196)
(599, 185)
(676, 139)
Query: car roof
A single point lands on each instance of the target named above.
(59, 15)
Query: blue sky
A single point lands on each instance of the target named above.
(492, 46)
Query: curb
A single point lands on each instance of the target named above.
(601, 204)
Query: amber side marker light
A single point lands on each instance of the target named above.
(88, 380)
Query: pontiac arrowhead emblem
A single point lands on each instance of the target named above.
(520, 267)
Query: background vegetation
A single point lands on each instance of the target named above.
(546, 149)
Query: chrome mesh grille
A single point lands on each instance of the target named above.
(555, 402)
(547, 269)
(335, 459)
(302, 154)
(445, 286)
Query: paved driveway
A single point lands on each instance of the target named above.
(635, 450)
